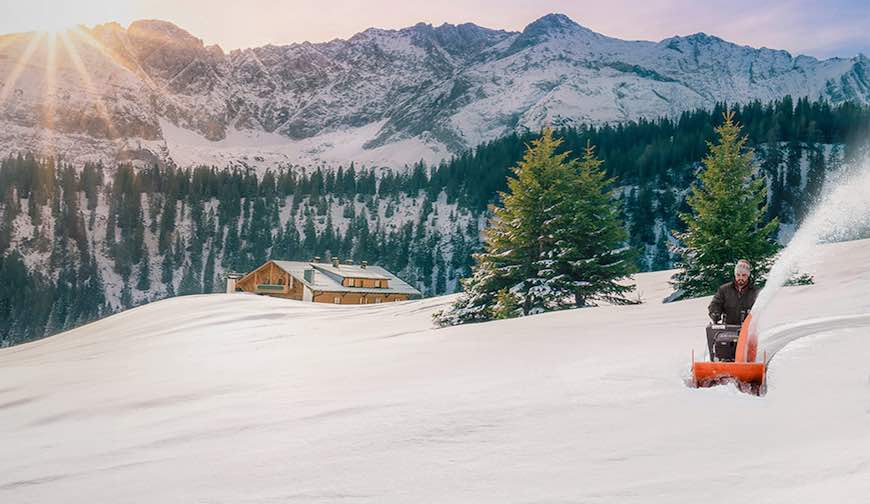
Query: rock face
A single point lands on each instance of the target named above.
(152, 91)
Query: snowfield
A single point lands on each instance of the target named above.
(246, 399)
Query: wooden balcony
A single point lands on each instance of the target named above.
(271, 288)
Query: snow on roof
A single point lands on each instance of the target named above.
(351, 271)
(324, 279)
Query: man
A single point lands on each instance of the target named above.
(734, 299)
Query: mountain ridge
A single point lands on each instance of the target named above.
(153, 92)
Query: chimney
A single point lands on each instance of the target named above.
(364, 264)
(349, 262)
(316, 259)
(335, 262)
(231, 277)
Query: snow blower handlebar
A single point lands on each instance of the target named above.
(719, 318)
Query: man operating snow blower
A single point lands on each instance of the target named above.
(731, 341)
(734, 299)
(728, 309)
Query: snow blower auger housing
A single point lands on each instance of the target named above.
(732, 358)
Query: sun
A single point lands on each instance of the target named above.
(58, 16)
(58, 27)
(70, 43)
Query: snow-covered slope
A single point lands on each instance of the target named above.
(238, 398)
(152, 91)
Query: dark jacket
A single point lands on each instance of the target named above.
(731, 303)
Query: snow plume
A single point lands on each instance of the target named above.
(842, 213)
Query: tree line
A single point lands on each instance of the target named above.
(79, 242)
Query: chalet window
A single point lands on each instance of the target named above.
(377, 300)
(337, 300)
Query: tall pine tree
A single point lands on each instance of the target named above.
(584, 240)
(727, 221)
(555, 242)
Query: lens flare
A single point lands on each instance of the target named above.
(20, 66)
(101, 108)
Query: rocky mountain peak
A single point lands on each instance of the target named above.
(165, 51)
(386, 96)
(553, 24)
(464, 40)
(159, 31)
(549, 27)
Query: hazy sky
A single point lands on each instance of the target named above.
(821, 29)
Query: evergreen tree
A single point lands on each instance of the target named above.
(792, 182)
(143, 282)
(287, 246)
(643, 218)
(167, 274)
(727, 218)
(440, 286)
(189, 282)
(584, 241)
(507, 305)
(208, 282)
(167, 224)
(178, 250)
(661, 257)
(815, 182)
(666, 206)
(535, 252)
(309, 241)
(54, 324)
(126, 296)
(232, 250)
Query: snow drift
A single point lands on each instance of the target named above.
(239, 398)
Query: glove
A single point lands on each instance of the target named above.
(716, 317)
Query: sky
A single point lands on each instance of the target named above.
(820, 29)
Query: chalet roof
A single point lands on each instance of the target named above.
(353, 271)
(326, 280)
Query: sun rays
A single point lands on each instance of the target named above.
(74, 81)
(5, 40)
(20, 65)
(55, 54)
(49, 98)
(93, 92)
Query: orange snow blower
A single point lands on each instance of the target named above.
(732, 358)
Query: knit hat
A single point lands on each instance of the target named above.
(742, 266)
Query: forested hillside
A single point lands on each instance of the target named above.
(79, 242)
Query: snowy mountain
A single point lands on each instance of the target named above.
(239, 398)
(154, 92)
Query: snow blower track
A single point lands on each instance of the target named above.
(776, 338)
